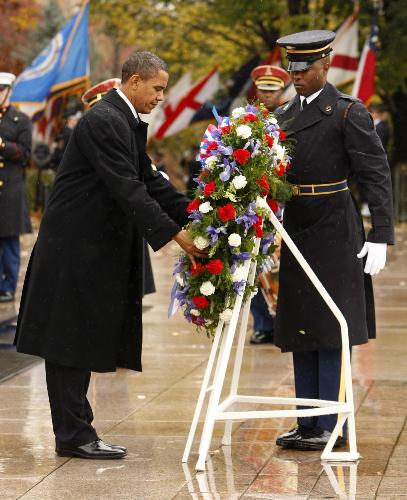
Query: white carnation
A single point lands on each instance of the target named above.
(261, 202)
(195, 312)
(272, 120)
(279, 151)
(205, 207)
(179, 279)
(239, 182)
(226, 315)
(238, 112)
(200, 242)
(239, 274)
(234, 240)
(211, 162)
(207, 288)
(244, 131)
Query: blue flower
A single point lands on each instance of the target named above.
(238, 287)
(215, 232)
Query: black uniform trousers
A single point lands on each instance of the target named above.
(71, 412)
(319, 375)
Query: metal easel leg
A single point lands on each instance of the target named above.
(203, 391)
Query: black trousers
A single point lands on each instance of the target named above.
(319, 375)
(71, 412)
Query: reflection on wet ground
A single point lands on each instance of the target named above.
(151, 413)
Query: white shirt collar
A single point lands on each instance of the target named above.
(311, 97)
(129, 104)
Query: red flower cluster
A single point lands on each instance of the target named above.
(226, 129)
(282, 135)
(193, 205)
(227, 212)
(280, 169)
(272, 204)
(203, 174)
(258, 225)
(250, 117)
(241, 155)
(264, 184)
(209, 188)
(200, 301)
(198, 269)
(265, 113)
(215, 266)
(270, 140)
(197, 321)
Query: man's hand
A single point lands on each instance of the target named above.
(184, 241)
(376, 257)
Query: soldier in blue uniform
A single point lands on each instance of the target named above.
(270, 82)
(15, 150)
(334, 138)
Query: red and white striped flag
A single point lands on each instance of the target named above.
(364, 86)
(345, 54)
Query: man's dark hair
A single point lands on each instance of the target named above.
(144, 64)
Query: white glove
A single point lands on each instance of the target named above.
(376, 257)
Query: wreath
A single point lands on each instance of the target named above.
(244, 161)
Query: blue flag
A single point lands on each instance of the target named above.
(62, 68)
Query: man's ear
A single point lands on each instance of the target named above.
(134, 80)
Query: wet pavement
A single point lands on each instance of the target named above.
(151, 413)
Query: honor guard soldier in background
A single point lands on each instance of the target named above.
(15, 150)
(334, 138)
(270, 82)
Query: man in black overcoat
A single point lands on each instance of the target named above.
(81, 305)
(334, 137)
(15, 150)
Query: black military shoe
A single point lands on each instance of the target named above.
(95, 450)
(288, 439)
(316, 439)
(6, 296)
(261, 337)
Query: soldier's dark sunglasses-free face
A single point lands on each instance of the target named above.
(3, 87)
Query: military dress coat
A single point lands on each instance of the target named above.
(15, 131)
(334, 138)
(81, 303)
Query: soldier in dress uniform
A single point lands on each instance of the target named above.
(334, 138)
(270, 82)
(15, 150)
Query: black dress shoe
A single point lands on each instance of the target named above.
(288, 439)
(6, 297)
(261, 337)
(96, 449)
(316, 439)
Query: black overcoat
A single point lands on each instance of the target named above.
(15, 131)
(333, 141)
(81, 303)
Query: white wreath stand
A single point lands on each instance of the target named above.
(221, 348)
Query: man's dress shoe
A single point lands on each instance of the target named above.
(261, 337)
(304, 438)
(6, 296)
(96, 449)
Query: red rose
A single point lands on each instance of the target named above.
(250, 117)
(198, 269)
(258, 225)
(281, 169)
(264, 184)
(209, 188)
(193, 205)
(197, 321)
(270, 140)
(203, 174)
(225, 130)
(272, 204)
(200, 301)
(226, 212)
(214, 266)
(265, 113)
(241, 155)
(282, 135)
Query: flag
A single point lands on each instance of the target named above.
(364, 86)
(184, 99)
(345, 54)
(61, 69)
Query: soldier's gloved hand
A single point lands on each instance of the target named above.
(376, 257)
